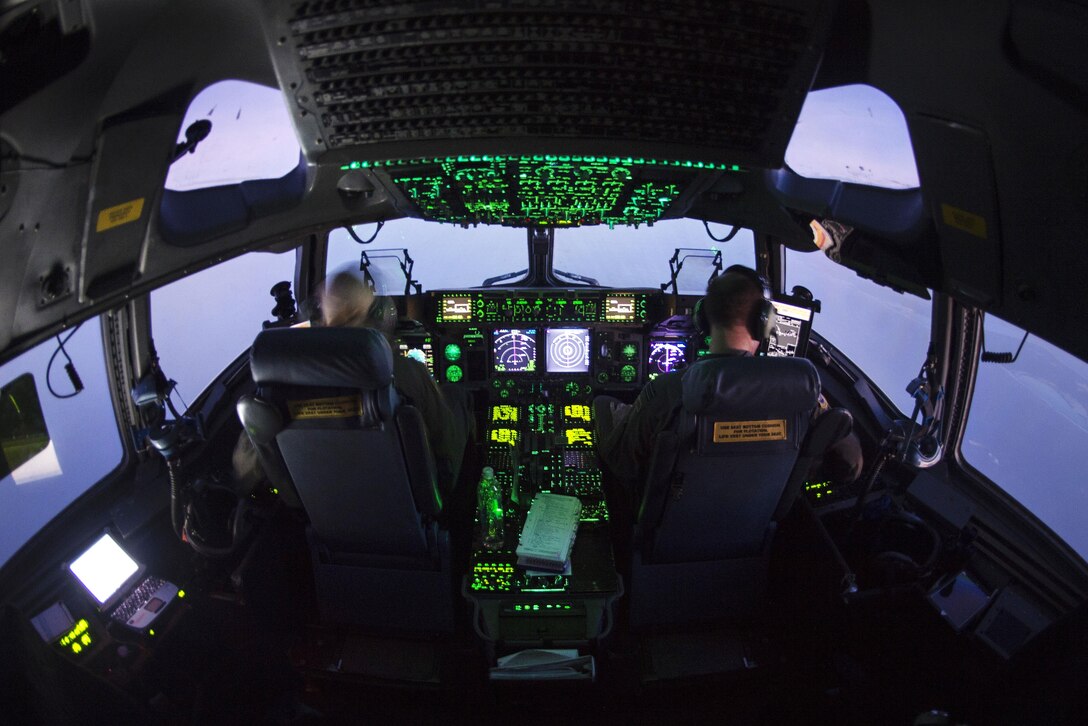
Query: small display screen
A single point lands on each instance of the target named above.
(515, 350)
(667, 356)
(568, 350)
(457, 308)
(619, 308)
(418, 350)
(788, 335)
(104, 568)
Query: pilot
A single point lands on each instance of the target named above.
(347, 301)
(626, 432)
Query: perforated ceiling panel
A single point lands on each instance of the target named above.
(722, 81)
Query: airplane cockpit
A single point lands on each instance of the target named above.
(217, 504)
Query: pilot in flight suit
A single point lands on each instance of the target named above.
(347, 301)
(625, 433)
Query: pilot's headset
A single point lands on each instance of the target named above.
(382, 315)
(761, 323)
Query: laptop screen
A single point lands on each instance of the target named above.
(104, 568)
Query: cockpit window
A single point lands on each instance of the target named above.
(1028, 428)
(630, 257)
(854, 134)
(251, 137)
(202, 322)
(885, 333)
(56, 442)
(444, 256)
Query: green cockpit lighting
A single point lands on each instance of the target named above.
(543, 189)
(454, 374)
(452, 352)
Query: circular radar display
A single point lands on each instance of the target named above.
(667, 356)
(515, 351)
(568, 350)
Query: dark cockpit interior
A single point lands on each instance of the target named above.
(302, 542)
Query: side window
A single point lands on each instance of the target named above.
(55, 443)
(1028, 427)
(886, 334)
(202, 322)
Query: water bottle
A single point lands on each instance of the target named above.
(489, 502)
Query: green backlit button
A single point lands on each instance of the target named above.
(454, 374)
(453, 352)
(496, 383)
(630, 351)
(602, 377)
(628, 373)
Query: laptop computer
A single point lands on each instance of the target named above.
(117, 583)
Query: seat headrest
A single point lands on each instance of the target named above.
(333, 357)
(785, 385)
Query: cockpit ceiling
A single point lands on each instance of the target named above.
(368, 77)
(543, 189)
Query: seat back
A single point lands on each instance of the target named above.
(716, 482)
(359, 460)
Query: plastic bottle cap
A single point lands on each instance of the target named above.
(488, 473)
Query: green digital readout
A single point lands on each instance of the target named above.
(454, 374)
(452, 352)
(546, 190)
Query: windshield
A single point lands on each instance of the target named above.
(639, 257)
(444, 256)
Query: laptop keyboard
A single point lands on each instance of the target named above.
(139, 597)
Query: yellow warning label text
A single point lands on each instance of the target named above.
(728, 432)
(964, 221)
(121, 214)
(338, 407)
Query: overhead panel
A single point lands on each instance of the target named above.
(542, 189)
(707, 80)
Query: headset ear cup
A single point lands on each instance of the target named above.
(698, 316)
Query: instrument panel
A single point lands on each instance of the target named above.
(592, 338)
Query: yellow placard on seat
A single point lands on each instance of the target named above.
(730, 432)
(337, 407)
(963, 220)
(120, 214)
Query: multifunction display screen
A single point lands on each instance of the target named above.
(619, 308)
(420, 350)
(568, 350)
(788, 335)
(457, 308)
(667, 356)
(514, 350)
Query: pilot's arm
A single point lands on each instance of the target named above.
(625, 449)
(444, 433)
